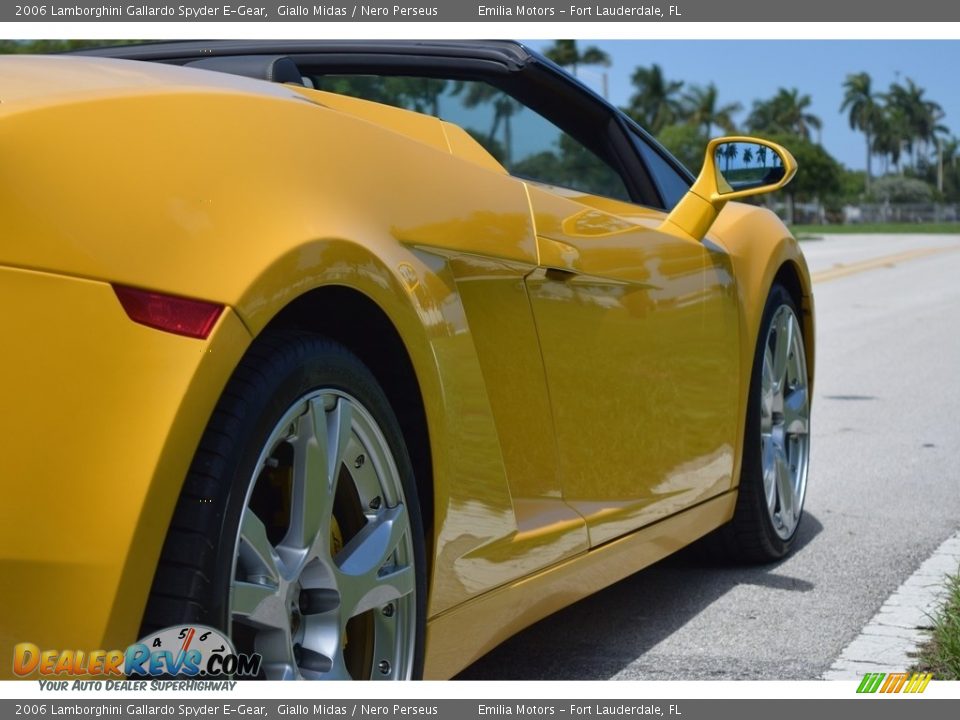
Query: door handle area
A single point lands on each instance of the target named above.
(558, 274)
(574, 277)
(543, 274)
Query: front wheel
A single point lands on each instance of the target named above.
(318, 554)
(776, 449)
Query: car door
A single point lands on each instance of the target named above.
(638, 328)
(639, 335)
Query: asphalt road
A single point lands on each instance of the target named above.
(884, 492)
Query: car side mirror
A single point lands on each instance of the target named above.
(734, 167)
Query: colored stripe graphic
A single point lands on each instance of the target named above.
(895, 682)
(870, 682)
(918, 683)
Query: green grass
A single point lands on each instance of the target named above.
(877, 229)
(941, 655)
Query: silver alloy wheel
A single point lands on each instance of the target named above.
(323, 583)
(784, 421)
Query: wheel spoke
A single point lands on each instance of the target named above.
(257, 605)
(767, 380)
(322, 436)
(337, 423)
(768, 465)
(276, 647)
(766, 393)
(370, 548)
(785, 491)
(256, 554)
(385, 588)
(321, 654)
(795, 412)
(365, 583)
(311, 494)
(781, 349)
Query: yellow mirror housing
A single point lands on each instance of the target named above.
(734, 167)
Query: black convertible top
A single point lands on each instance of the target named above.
(512, 54)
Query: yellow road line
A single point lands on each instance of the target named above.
(886, 261)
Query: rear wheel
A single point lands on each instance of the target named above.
(317, 554)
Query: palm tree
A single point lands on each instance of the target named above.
(919, 119)
(702, 109)
(888, 137)
(864, 112)
(786, 112)
(762, 155)
(565, 53)
(729, 154)
(792, 109)
(948, 150)
(656, 102)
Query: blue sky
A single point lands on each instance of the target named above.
(745, 70)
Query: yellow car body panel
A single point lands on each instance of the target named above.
(460, 636)
(225, 194)
(651, 318)
(101, 420)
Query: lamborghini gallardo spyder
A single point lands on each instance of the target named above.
(370, 354)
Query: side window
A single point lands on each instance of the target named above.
(669, 181)
(528, 145)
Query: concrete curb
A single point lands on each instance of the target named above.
(888, 641)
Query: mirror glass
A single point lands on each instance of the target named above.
(746, 165)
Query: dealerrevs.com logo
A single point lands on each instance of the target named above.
(190, 651)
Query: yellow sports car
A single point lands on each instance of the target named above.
(368, 355)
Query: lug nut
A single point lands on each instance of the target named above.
(384, 667)
(375, 503)
(358, 463)
(388, 610)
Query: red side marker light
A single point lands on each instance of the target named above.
(178, 315)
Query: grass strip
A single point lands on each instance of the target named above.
(941, 655)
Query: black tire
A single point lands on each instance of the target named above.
(752, 536)
(198, 562)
